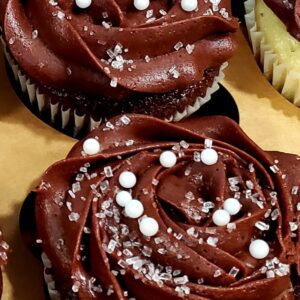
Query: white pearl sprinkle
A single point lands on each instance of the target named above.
(259, 249)
(134, 209)
(148, 226)
(91, 146)
(83, 3)
(221, 217)
(168, 159)
(123, 198)
(209, 156)
(127, 179)
(189, 5)
(141, 4)
(232, 206)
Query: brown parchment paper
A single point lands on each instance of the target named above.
(28, 147)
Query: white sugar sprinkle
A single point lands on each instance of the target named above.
(197, 156)
(217, 273)
(212, 241)
(208, 143)
(262, 226)
(114, 82)
(275, 214)
(231, 227)
(35, 34)
(108, 171)
(61, 15)
(234, 271)
(74, 217)
(189, 48)
(274, 169)
(71, 193)
(178, 46)
(155, 181)
(12, 40)
(149, 13)
(293, 226)
(125, 120)
(295, 190)
(162, 12)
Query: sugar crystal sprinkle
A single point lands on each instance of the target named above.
(162, 12)
(125, 120)
(293, 226)
(294, 190)
(178, 46)
(217, 273)
(114, 82)
(149, 13)
(262, 226)
(231, 227)
(274, 168)
(108, 171)
(35, 34)
(189, 48)
(234, 271)
(74, 217)
(212, 241)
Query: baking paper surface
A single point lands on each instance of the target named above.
(28, 147)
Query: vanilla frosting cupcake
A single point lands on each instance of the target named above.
(274, 30)
(82, 61)
(143, 209)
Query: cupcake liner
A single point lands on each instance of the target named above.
(200, 101)
(70, 118)
(285, 81)
(48, 278)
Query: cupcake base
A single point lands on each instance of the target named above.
(284, 79)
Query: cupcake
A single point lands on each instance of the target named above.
(144, 209)
(274, 31)
(4, 248)
(82, 61)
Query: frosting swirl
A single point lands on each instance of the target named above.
(289, 13)
(114, 50)
(96, 251)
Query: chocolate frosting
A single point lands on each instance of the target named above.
(289, 13)
(98, 253)
(61, 46)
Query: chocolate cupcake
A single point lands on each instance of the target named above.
(274, 31)
(4, 248)
(82, 61)
(144, 209)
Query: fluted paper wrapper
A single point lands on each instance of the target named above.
(286, 81)
(29, 147)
